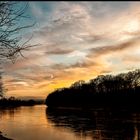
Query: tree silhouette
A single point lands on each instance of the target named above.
(121, 89)
(11, 41)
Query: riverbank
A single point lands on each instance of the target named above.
(3, 138)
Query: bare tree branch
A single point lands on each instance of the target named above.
(11, 41)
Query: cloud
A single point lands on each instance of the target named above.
(79, 40)
(113, 48)
(58, 51)
(84, 64)
(77, 54)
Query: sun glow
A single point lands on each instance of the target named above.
(132, 26)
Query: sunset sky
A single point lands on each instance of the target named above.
(78, 41)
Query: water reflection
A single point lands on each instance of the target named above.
(9, 111)
(110, 124)
(33, 123)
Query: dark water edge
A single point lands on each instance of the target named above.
(4, 138)
(107, 122)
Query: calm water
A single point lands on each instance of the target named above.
(40, 123)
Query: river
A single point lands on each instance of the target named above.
(39, 123)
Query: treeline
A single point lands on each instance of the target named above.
(121, 89)
(13, 102)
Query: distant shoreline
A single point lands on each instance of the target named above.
(13, 102)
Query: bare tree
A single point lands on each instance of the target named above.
(11, 43)
(1, 86)
(10, 39)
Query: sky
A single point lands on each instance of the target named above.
(77, 41)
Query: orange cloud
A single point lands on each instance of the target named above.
(76, 45)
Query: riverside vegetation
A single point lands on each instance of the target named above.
(105, 90)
